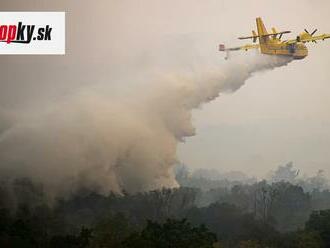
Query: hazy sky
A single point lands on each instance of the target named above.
(277, 117)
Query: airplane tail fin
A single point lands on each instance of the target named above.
(262, 33)
(261, 27)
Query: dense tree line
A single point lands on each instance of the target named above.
(76, 222)
(274, 213)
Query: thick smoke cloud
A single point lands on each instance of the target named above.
(123, 141)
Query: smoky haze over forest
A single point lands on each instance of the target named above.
(110, 114)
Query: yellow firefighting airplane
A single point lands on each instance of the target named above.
(270, 43)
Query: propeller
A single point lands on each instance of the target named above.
(311, 34)
(314, 32)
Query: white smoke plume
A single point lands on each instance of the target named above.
(111, 139)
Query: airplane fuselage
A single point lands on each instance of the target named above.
(277, 47)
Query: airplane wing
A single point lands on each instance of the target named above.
(316, 38)
(247, 47)
(309, 38)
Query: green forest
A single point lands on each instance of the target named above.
(209, 209)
